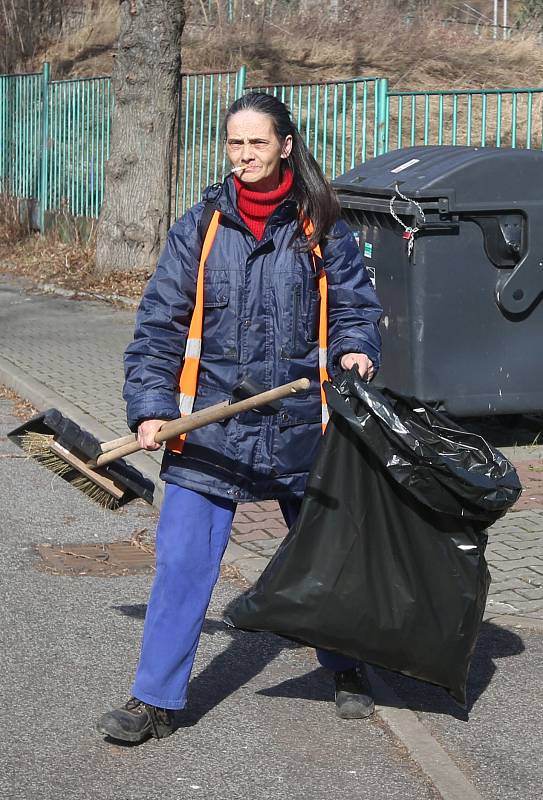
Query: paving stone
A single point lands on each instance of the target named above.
(240, 517)
(503, 549)
(268, 545)
(534, 514)
(248, 546)
(505, 597)
(496, 608)
(267, 505)
(263, 543)
(526, 536)
(526, 574)
(530, 593)
(500, 586)
(534, 545)
(529, 606)
(277, 533)
(505, 529)
(253, 536)
(258, 516)
(519, 563)
(514, 541)
(247, 527)
(530, 525)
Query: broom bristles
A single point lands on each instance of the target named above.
(37, 447)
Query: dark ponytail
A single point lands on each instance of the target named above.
(314, 196)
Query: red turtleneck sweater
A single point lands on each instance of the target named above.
(255, 207)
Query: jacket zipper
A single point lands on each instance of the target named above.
(295, 315)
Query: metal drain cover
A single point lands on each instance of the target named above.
(101, 560)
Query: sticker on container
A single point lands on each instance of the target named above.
(406, 165)
(368, 250)
(371, 274)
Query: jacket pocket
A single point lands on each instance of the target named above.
(220, 323)
(216, 288)
(301, 306)
(295, 446)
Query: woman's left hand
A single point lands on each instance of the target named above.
(365, 364)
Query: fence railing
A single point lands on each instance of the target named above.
(55, 135)
(21, 105)
(476, 117)
(343, 122)
(78, 134)
(200, 155)
(55, 141)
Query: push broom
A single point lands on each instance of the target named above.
(98, 469)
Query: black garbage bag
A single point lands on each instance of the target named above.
(385, 562)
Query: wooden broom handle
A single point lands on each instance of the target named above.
(105, 447)
(206, 416)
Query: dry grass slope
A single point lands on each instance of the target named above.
(369, 40)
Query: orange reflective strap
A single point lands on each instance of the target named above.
(188, 379)
(316, 253)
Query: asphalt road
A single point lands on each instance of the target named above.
(261, 721)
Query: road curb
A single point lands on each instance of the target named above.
(50, 288)
(423, 748)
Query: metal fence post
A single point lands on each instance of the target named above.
(44, 147)
(381, 116)
(3, 132)
(241, 78)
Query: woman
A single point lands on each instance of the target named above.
(260, 320)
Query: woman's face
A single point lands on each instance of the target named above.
(253, 145)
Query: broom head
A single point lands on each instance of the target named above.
(51, 431)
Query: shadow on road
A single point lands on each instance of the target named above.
(494, 642)
(245, 656)
(248, 654)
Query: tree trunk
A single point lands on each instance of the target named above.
(135, 214)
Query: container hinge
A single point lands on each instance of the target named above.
(517, 291)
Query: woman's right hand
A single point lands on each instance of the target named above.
(146, 433)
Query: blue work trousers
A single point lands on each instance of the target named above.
(192, 535)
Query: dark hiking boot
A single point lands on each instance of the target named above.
(353, 694)
(137, 721)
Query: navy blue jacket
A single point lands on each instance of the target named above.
(260, 320)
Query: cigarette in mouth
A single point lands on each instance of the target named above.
(237, 169)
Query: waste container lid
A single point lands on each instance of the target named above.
(463, 178)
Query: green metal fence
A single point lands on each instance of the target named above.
(343, 123)
(55, 141)
(78, 135)
(200, 156)
(484, 117)
(21, 103)
(55, 135)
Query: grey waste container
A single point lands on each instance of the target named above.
(463, 312)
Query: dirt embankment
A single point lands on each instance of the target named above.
(369, 38)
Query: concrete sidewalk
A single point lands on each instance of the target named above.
(67, 353)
